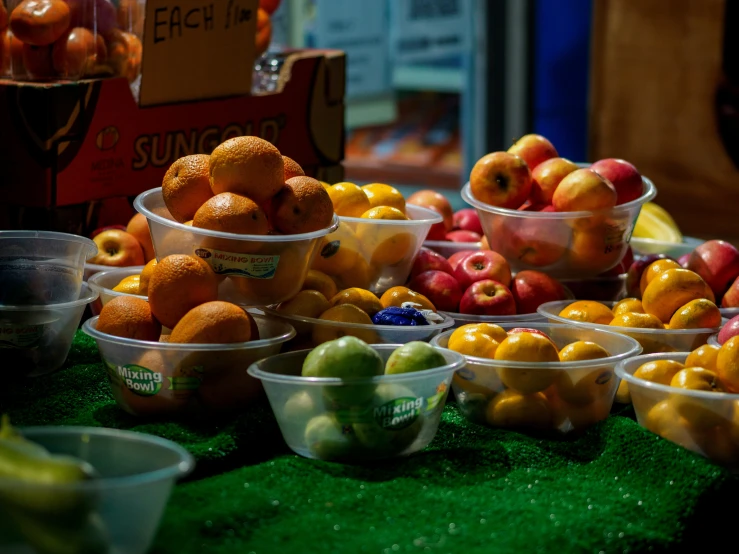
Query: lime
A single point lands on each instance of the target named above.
(327, 439)
(414, 356)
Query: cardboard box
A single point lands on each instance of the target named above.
(65, 147)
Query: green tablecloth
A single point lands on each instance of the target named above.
(618, 488)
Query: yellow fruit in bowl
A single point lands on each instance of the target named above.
(588, 311)
(703, 356)
(628, 305)
(145, 276)
(637, 320)
(702, 413)
(527, 347)
(696, 314)
(396, 296)
(380, 194)
(337, 252)
(359, 275)
(671, 290)
(307, 303)
(658, 371)
(385, 244)
(473, 343)
(349, 199)
(515, 410)
(129, 285)
(586, 385)
(344, 313)
(361, 298)
(655, 269)
(727, 364)
(317, 280)
(495, 332)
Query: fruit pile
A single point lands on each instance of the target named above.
(480, 283)
(71, 39)
(460, 226)
(120, 246)
(535, 397)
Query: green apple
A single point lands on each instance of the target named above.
(414, 356)
(328, 439)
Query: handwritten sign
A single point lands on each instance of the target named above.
(197, 49)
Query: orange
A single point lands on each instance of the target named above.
(129, 285)
(146, 276)
(588, 311)
(512, 409)
(349, 200)
(264, 32)
(307, 303)
(727, 364)
(178, 284)
(284, 284)
(325, 185)
(701, 413)
(473, 343)
(188, 223)
(301, 206)
(396, 296)
(124, 53)
(704, 356)
(655, 269)
(659, 371)
(344, 313)
(338, 252)
(671, 290)
(582, 350)
(576, 417)
(316, 280)
(595, 245)
(661, 416)
(380, 194)
(583, 386)
(129, 317)
(384, 212)
(292, 168)
(77, 52)
(628, 305)
(231, 213)
(40, 22)
(37, 61)
(212, 323)
(358, 276)
(385, 244)
(527, 347)
(495, 332)
(361, 298)
(637, 320)
(623, 396)
(186, 186)
(717, 444)
(696, 314)
(138, 226)
(249, 166)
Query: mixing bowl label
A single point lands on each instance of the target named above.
(253, 266)
(20, 336)
(398, 413)
(140, 380)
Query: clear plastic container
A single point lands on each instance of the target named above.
(713, 340)
(92, 269)
(572, 245)
(159, 379)
(396, 416)
(466, 319)
(53, 40)
(609, 289)
(652, 340)
(312, 331)
(702, 421)
(728, 313)
(550, 397)
(104, 281)
(117, 513)
(644, 247)
(258, 269)
(42, 267)
(36, 339)
(448, 248)
(376, 254)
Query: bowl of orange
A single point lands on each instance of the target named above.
(110, 283)
(537, 377)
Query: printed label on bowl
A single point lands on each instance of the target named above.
(614, 237)
(143, 381)
(253, 266)
(14, 335)
(398, 413)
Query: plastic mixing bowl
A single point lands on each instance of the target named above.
(92, 269)
(644, 247)
(702, 421)
(118, 513)
(42, 267)
(559, 397)
(362, 420)
(104, 281)
(466, 319)
(163, 379)
(572, 245)
(257, 269)
(448, 248)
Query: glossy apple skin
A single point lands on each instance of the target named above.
(463, 236)
(534, 149)
(501, 179)
(717, 262)
(467, 220)
(547, 176)
(427, 260)
(584, 190)
(487, 297)
(731, 296)
(531, 289)
(118, 249)
(440, 288)
(533, 332)
(625, 178)
(481, 266)
(731, 329)
(436, 201)
(457, 257)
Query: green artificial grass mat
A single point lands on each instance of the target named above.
(617, 488)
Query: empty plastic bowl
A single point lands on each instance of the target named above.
(312, 331)
(571, 245)
(466, 319)
(362, 420)
(258, 269)
(702, 421)
(104, 281)
(652, 340)
(163, 379)
(559, 397)
(35, 339)
(448, 248)
(119, 512)
(42, 267)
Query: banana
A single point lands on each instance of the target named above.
(655, 223)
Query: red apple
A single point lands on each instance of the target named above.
(633, 274)
(96, 232)
(683, 260)
(441, 288)
(731, 296)
(625, 178)
(434, 201)
(118, 249)
(584, 189)
(487, 297)
(534, 149)
(463, 236)
(427, 260)
(531, 289)
(457, 257)
(467, 220)
(529, 207)
(481, 266)
(501, 179)
(717, 262)
(535, 242)
(546, 176)
(533, 332)
(438, 231)
(731, 329)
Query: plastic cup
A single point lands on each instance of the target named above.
(543, 397)
(257, 269)
(42, 267)
(167, 379)
(122, 509)
(448, 248)
(104, 281)
(400, 417)
(565, 245)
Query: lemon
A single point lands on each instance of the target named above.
(655, 223)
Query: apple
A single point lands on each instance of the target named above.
(96, 232)
(531, 289)
(537, 208)
(501, 179)
(547, 176)
(534, 149)
(535, 242)
(717, 262)
(683, 260)
(434, 201)
(487, 297)
(634, 273)
(625, 178)
(427, 260)
(117, 248)
(481, 266)
(463, 236)
(440, 288)
(731, 296)
(467, 220)
(731, 329)
(584, 189)
(439, 230)
(457, 257)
